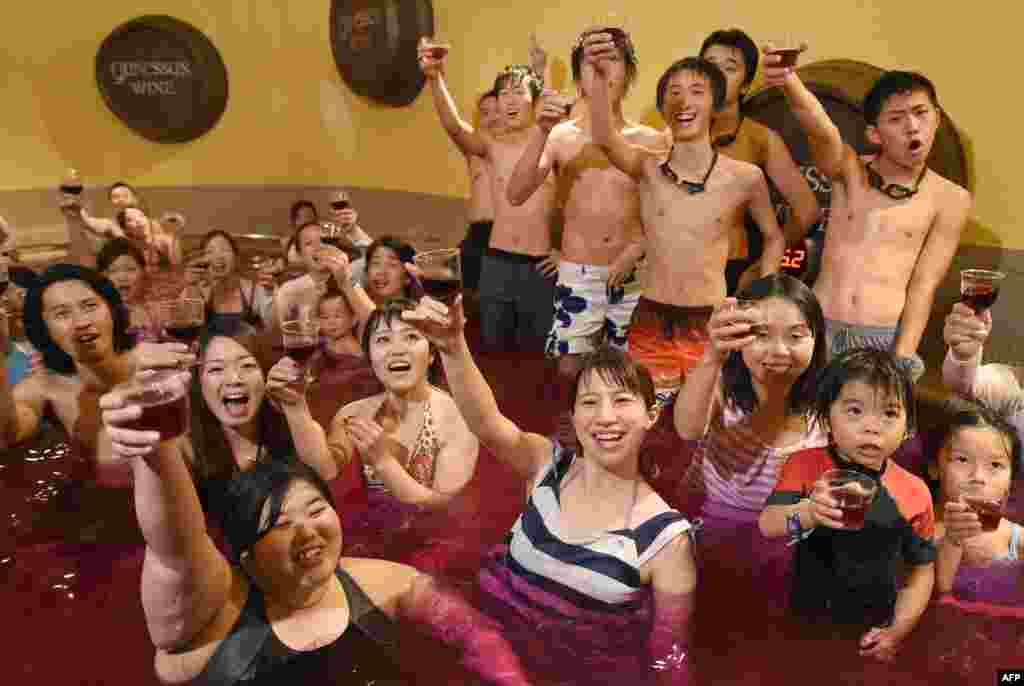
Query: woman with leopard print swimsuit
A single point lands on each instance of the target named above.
(417, 452)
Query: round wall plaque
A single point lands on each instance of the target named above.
(374, 45)
(163, 78)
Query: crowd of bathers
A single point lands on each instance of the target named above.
(644, 264)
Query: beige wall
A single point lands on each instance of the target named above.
(290, 119)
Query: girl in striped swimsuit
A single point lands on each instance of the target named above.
(596, 557)
(743, 409)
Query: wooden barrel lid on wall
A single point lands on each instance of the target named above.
(374, 46)
(163, 78)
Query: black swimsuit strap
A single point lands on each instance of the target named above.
(236, 652)
(370, 619)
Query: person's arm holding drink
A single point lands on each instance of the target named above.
(308, 436)
(729, 329)
(185, 580)
(466, 138)
(965, 333)
(525, 452)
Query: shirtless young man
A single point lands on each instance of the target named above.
(597, 288)
(480, 207)
(740, 138)
(688, 202)
(516, 291)
(88, 234)
(74, 319)
(894, 225)
(160, 247)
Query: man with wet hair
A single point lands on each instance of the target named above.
(516, 292)
(890, 214)
(741, 138)
(688, 200)
(597, 286)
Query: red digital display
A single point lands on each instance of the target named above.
(793, 260)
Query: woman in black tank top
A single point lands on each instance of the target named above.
(282, 606)
(222, 252)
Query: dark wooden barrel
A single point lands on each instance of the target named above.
(374, 46)
(163, 78)
(841, 85)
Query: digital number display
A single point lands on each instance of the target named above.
(793, 260)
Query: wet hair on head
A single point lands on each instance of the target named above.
(738, 385)
(514, 75)
(622, 41)
(298, 206)
(701, 67)
(115, 248)
(876, 368)
(219, 233)
(963, 414)
(735, 38)
(37, 331)
(248, 494)
(894, 83)
(617, 368)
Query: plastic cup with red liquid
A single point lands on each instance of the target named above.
(164, 402)
(853, 491)
(988, 508)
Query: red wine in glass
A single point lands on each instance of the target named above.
(853, 499)
(787, 56)
(980, 297)
(444, 289)
(438, 52)
(990, 512)
(163, 411)
(72, 189)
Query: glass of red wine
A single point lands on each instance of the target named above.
(164, 402)
(440, 273)
(979, 288)
(436, 46)
(988, 508)
(300, 336)
(182, 319)
(854, 492)
(788, 49)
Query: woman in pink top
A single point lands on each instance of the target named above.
(743, 408)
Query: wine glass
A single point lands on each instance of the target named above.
(300, 337)
(788, 48)
(979, 288)
(440, 274)
(181, 319)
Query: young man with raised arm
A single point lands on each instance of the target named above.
(516, 291)
(688, 200)
(894, 225)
